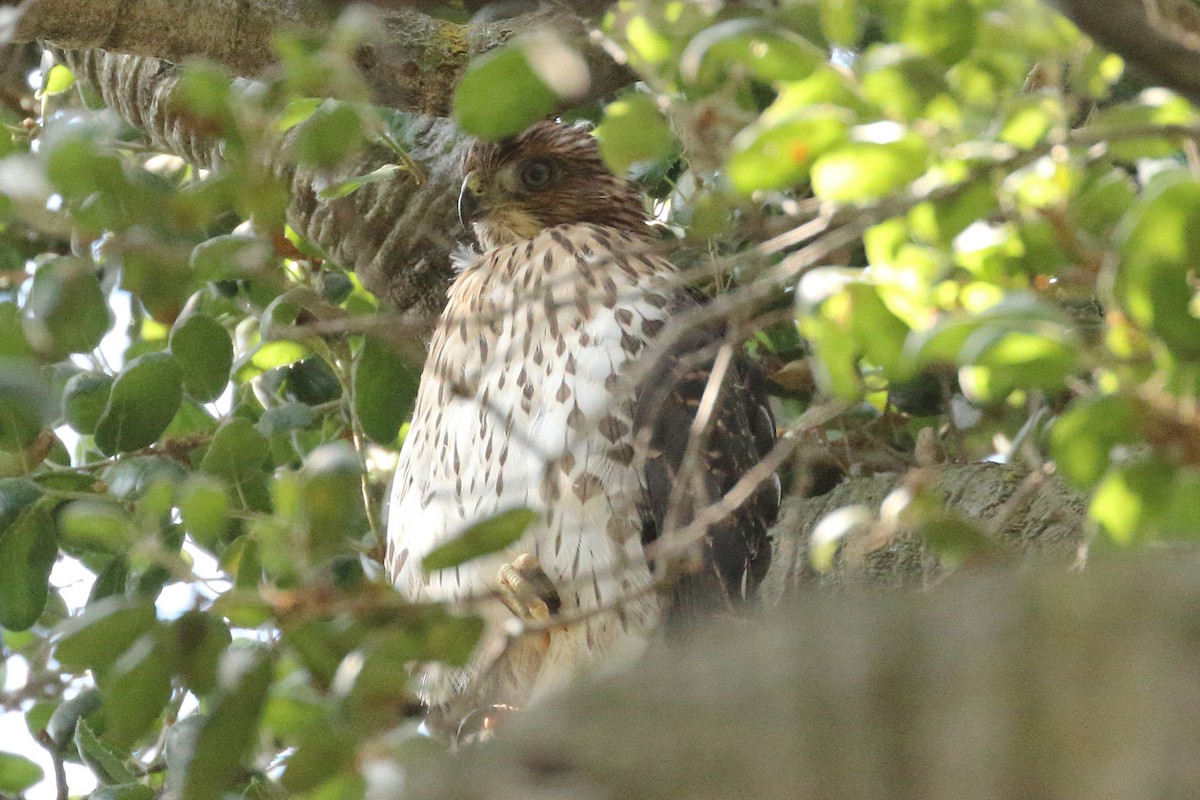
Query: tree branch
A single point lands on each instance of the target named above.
(1042, 516)
(411, 62)
(1013, 683)
(1159, 37)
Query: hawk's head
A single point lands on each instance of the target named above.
(551, 174)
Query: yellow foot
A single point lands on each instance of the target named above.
(527, 590)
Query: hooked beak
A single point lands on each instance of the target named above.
(468, 201)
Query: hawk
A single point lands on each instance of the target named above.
(531, 397)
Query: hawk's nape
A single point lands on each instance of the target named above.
(527, 399)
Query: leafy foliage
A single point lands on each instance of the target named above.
(928, 189)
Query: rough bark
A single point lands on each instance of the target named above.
(1014, 683)
(411, 61)
(1024, 516)
(1160, 37)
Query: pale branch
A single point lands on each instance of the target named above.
(1159, 37)
(410, 61)
(1009, 683)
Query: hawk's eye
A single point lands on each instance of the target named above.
(536, 173)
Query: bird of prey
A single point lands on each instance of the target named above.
(548, 387)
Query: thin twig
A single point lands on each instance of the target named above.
(60, 770)
(698, 436)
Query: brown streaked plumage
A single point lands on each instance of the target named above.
(525, 401)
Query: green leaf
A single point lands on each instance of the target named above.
(26, 404)
(79, 169)
(939, 221)
(633, 131)
(61, 727)
(199, 640)
(328, 137)
(489, 536)
(227, 734)
(779, 154)
(501, 94)
(58, 80)
(1001, 362)
(311, 381)
(155, 271)
(143, 400)
(385, 388)
(204, 509)
(232, 257)
(84, 399)
(268, 356)
(331, 499)
(99, 757)
(13, 344)
(1102, 201)
(245, 609)
(864, 171)
(93, 525)
(341, 786)
(348, 186)
(1159, 252)
(841, 21)
(241, 560)
(132, 478)
(238, 452)
(17, 773)
(845, 318)
(319, 754)
(432, 634)
(287, 417)
(1179, 517)
(1152, 108)
(956, 539)
(123, 791)
(901, 82)
(66, 311)
(28, 548)
(297, 110)
(105, 630)
(1130, 496)
(38, 715)
(135, 691)
(111, 580)
(204, 91)
(943, 29)
(205, 354)
(754, 46)
(1031, 120)
(1084, 437)
(16, 495)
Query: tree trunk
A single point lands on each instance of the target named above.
(1032, 683)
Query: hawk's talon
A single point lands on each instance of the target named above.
(527, 590)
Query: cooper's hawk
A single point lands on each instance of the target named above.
(528, 399)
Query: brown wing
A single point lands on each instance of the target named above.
(730, 559)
